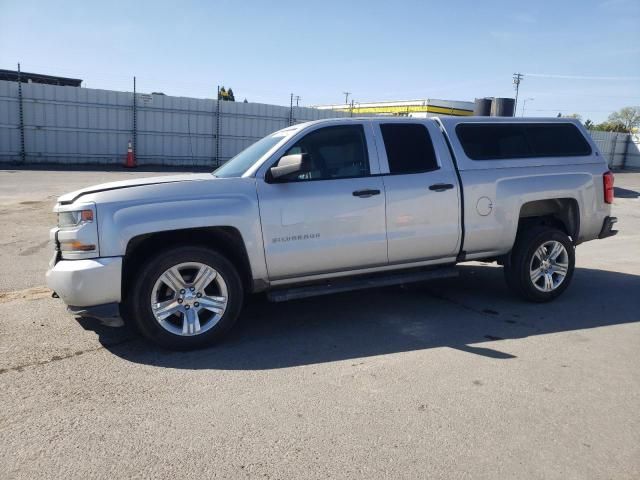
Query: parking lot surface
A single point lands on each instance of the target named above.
(449, 379)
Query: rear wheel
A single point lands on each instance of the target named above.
(185, 298)
(541, 264)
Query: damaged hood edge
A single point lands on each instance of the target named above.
(71, 197)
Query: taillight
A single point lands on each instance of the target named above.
(607, 180)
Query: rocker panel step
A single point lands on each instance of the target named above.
(338, 286)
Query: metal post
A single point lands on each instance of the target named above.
(135, 120)
(291, 111)
(218, 128)
(613, 150)
(23, 154)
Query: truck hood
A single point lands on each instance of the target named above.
(137, 182)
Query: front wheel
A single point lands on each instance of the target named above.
(185, 298)
(541, 264)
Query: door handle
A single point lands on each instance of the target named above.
(441, 187)
(366, 193)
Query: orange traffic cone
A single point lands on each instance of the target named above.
(130, 162)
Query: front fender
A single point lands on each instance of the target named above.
(169, 207)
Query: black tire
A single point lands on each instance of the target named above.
(518, 264)
(138, 302)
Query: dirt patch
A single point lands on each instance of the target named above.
(35, 204)
(34, 249)
(34, 293)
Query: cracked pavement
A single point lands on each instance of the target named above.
(454, 378)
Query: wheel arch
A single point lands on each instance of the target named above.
(226, 240)
(562, 213)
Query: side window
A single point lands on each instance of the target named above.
(484, 141)
(409, 148)
(334, 152)
(559, 140)
(493, 141)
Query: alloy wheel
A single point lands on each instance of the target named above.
(189, 298)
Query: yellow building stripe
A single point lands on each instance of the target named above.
(399, 109)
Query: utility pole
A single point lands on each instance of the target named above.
(517, 78)
(346, 97)
(297, 100)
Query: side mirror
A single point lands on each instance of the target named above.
(289, 164)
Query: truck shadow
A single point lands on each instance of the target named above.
(457, 313)
(620, 192)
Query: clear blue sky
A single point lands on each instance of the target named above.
(379, 50)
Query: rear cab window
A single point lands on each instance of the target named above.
(409, 148)
(500, 141)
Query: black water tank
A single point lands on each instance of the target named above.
(502, 107)
(482, 107)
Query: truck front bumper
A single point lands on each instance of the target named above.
(87, 283)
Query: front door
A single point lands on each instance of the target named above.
(332, 217)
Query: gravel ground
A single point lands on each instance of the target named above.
(454, 379)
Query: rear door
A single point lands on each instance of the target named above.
(331, 218)
(421, 188)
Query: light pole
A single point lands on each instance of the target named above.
(524, 103)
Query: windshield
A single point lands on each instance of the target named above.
(248, 157)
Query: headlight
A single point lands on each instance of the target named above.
(72, 219)
(77, 233)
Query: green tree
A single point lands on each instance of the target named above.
(627, 117)
(226, 95)
(589, 124)
(611, 127)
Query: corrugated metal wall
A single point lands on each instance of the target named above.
(9, 132)
(622, 150)
(633, 154)
(79, 125)
(73, 125)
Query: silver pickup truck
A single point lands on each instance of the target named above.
(331, 206)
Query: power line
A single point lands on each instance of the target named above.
(578, 77)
